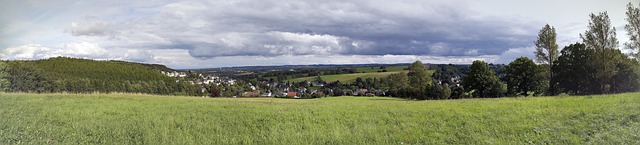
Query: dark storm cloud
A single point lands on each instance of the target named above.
(275, 28)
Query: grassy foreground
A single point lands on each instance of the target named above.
(146, 119)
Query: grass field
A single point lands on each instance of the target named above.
(376, 69)
(350, 78)
(345, 78)
(147, 119)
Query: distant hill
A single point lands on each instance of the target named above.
(63, 74)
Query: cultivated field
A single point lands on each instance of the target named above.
(148, 119)
(376, 69)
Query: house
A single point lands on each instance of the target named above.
(456, 79)
(317, 84)
(301, 90)
(209, 81)
(231, 82)
(320, 93)
(251, 94)
(182, 74)
(360, 92)
(380, 92)
(292, 94)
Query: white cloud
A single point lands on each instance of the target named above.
(98, 28)
(29, 51)
(138, 55)
(35, 51)
(472, 52)
(82, 49)
(79, 49)
(273, 43)
(513, 53)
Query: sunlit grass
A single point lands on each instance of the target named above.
(148, 119)
(376, 69)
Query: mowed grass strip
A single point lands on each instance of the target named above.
(148, 119)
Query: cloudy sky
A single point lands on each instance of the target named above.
(221, 33)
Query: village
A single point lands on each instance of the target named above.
(304, 89)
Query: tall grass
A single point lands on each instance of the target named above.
(148, 119)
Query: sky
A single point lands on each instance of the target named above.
(224, 33)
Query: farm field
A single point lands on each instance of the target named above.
(350, 78)
(149, 119)
(345, 78)
(376, 69)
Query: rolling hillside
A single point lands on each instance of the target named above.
(75, 75)
(73, 68)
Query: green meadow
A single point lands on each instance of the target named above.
(149, 119)
(345, 78)
(350, 78)
(376, 69)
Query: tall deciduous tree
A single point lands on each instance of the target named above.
(523, 76)
(601, 37)
(446, 91)
(600, 34)
(481, 80)
(398, 84)
(575, 70)
(633, 29)
(419, 79)
(627, 78)
(547, 51)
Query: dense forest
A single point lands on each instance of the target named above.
(74, 75)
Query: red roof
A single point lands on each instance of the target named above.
(292, 94)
